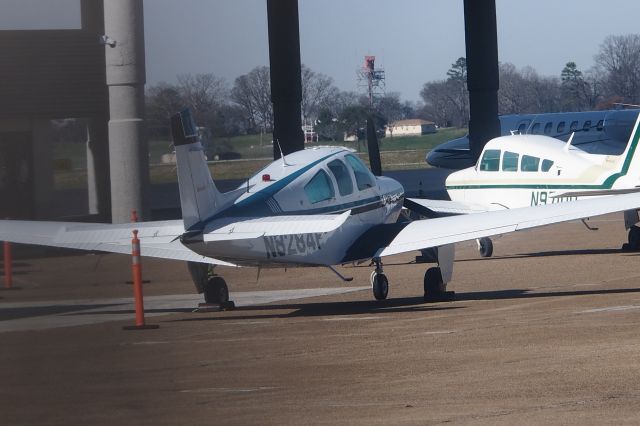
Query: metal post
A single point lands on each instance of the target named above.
(8, 267)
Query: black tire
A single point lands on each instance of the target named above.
(433, 285)
(486, 247)
(634, 239)
(380, 286)
(216, 291)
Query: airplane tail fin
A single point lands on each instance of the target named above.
(199, 197)
(625, 125)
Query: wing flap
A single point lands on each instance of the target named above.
(442, 207)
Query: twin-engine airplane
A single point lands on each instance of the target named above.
(527, 170)
(317, 207)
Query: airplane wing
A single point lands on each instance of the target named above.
(157, 239)
(438, 208)
(427, 233)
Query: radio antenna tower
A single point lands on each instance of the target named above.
(371, 79)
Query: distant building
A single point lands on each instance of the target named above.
(412, 127)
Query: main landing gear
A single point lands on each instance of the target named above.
(633, 243)
(212, 286)
(435, 278)
(485, 246)
(379, 282)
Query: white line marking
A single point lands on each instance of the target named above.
(610, 309)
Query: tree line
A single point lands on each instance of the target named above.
(245, 106)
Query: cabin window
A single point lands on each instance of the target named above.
(510, 161)
(586, 126)
(546, 165)
(522, 128)
(560, 127)
(319, 188)
(600, 125)
(547, 128)
(343, 178)
(364, 178)
(529, 163)
(535, 129)
(574, 126)
(490, 160)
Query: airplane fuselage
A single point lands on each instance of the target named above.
(322, 181)
(528, 170)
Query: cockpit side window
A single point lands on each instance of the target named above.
(490, 161)
(364, 178)
(319, 188)
(546, 165)
(529, 163)
(510, 161)
(343, 178)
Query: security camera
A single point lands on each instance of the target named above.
(107, 41)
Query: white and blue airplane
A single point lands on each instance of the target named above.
(587, 127)
(523, 170)
(316, 207)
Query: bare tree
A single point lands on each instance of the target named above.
(204, 94)
(252, 91)
(317, 90)
(619, 57)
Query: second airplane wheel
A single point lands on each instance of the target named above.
(216, 291)
(486, 247)
(433, 285)
(634, 239)
(380, 286)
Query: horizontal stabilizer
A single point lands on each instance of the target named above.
(157, 239)
(276, 225)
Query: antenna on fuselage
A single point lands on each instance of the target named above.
(284, 162)
(568, 144)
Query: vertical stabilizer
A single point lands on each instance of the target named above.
(199, 197)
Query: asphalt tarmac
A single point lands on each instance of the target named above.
(545, 332)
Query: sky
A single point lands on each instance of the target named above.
(415, 41)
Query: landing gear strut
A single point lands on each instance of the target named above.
(379, 282)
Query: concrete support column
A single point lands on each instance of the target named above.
(42, 162)
(286, 81)
(481, 36)
(128, 153)
(98, 184)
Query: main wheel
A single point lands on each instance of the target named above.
(433, 284)
(216, 291)
(634, 239)
(486, 247)
(380, 286)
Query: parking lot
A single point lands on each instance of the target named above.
(546, 331)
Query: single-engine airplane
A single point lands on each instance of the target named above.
(316, 207)
(527, 170)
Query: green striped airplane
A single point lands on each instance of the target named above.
(521, 170)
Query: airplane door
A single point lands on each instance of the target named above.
(16, 176)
